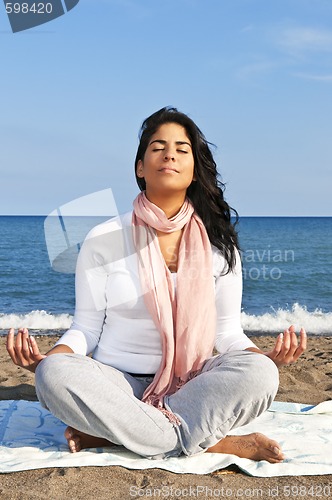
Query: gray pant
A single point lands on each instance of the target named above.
(231, 390)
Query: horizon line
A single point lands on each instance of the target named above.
(111, 216)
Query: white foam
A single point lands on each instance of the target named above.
(316, 322)
(36, 320)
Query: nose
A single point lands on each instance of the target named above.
(169, 156)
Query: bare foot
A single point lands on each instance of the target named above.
(255, 446)
(78, 441)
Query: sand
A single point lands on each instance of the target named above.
(308, 381)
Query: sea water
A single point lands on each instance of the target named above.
(287, 275)
(286, 264)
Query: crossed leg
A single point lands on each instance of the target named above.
(203, 428)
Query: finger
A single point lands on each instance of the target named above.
(18, 346)
(35, 349)
(284, 348)
(287, 341)
(279, 343)
(18, 343)
(303, 345)
(293, 342)
(289, 347)
(10, 339)
(303, 339)
(293, 352)
(10, 345)
(26, 353)
(278, 346)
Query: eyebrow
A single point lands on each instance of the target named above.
(178, 143)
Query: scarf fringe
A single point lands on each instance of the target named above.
(171, 417)
(154, 400)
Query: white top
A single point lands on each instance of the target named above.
(111, 320)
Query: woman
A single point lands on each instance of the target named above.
(156, 290)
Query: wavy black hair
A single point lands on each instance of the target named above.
(207, 191)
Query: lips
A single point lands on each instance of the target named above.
(168, 169)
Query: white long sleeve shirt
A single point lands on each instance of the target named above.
(111, 320)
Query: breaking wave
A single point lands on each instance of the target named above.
(36, 320)
(315, 322)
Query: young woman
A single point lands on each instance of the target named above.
(157, 290)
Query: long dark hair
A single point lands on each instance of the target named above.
(207, 191)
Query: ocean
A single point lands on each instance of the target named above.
(287, 276)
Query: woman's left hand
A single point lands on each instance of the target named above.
(287, 348)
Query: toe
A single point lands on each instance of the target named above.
(276, 451)
(74, 444)
(69, 433)
(274, 455)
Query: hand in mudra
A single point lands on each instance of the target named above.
(288, 348)
(23, 349)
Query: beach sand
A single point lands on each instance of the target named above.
(308, 381)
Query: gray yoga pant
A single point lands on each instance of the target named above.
(97, 399)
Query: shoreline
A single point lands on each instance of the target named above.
(56, 334)
(308, 381)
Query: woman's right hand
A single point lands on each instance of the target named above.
(23, 349)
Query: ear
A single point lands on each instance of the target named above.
(139, 169)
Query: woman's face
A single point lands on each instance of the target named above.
(168, 163)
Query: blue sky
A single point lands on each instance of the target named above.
(255, 75)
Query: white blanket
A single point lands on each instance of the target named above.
(31, 438)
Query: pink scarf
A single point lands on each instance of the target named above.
(186, 321)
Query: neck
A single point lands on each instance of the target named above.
(170, 204)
